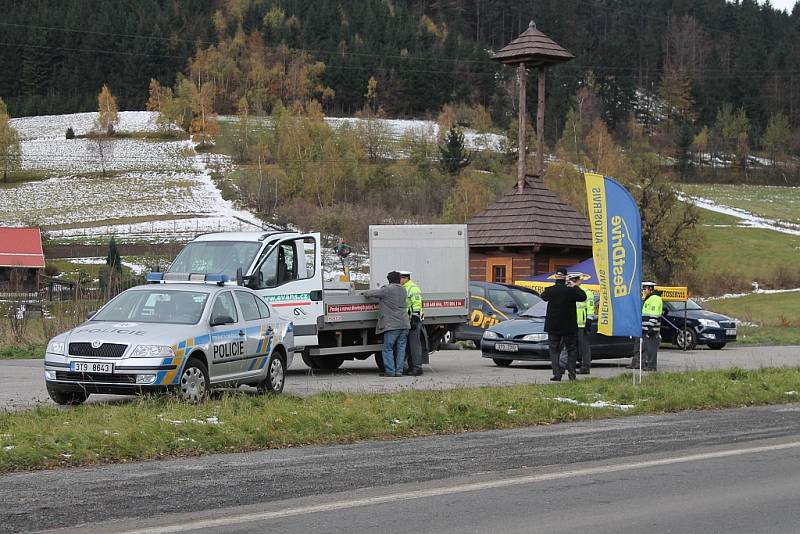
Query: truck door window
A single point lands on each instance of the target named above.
(290, 260)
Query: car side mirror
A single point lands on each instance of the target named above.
(221, 319)
(90, 315)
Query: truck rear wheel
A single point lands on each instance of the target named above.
(379, 361)
(327, 363)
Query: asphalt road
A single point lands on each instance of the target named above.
(731, 471)
(22, 383)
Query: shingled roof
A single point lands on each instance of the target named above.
(535, 216)
(533, 48)
(21, 247)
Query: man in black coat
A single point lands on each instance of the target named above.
(561, 322)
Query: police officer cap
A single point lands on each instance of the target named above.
(648, 284)
(405, 273)
(574, 275)
(561, 272)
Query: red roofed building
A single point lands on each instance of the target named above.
(21, 254)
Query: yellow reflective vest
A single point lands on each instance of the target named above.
(585, 309)
(652, 308)
(413, 298)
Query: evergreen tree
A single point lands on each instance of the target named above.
(113, 259)
(10, 155)
(683, 147)
(453, 154)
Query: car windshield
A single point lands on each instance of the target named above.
(538, 310)
(690, 305)
(527, 299)
(155, 306)
(215, 257)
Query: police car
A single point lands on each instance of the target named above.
(180, 332)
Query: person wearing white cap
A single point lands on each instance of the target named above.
(561, 322)
(414, 309)
(652, 309)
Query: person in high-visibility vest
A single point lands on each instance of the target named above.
(652, 309)
(585, 311)
(415, 315)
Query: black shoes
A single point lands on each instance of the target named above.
(416, 372)
(555, 378)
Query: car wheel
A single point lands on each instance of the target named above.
(689, 343)
(502, 363)
(716, 346)
(194, 384)
(276, 375)
(67, 398)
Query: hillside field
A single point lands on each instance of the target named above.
(768, 317)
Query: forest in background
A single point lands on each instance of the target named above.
(423, 54)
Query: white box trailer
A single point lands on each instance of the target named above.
(331, 326)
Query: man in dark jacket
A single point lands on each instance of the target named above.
(561, 322)
(393, 323)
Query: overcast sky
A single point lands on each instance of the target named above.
(786, 5)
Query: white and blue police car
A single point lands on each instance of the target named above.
(184, 333)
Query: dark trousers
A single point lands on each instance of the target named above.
(415, 348)
(555, 342)
(584, 350)
(650, 343)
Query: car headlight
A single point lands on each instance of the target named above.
(708, 323)
(56, 347)
(535, 337)
(488, 334)
(152, 351)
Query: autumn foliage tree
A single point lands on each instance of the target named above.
(107, 110)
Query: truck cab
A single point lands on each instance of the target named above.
(284, 268)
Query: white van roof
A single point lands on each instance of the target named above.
(243, 236)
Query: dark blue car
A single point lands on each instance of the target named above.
(703, 327)
(524, 339)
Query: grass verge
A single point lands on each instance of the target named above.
(20, 352)
(158, 427)
(768, 335)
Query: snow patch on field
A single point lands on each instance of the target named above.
(55, 126)
(756, 292)
(747, 219)
(595, 404)
(160, 191)
(397, 128)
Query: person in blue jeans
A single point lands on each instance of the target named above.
(393, 323)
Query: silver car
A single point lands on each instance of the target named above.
(183, 336)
